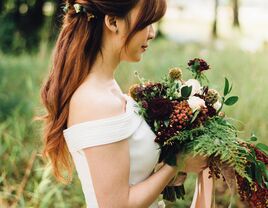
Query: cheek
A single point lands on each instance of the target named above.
(133, 53)
(134, 50)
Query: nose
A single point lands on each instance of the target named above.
(151, 32)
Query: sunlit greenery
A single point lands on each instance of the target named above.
(20, 142)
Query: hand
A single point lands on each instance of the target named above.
(179, 179)
(189, 163)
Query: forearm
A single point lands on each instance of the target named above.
(143, 194)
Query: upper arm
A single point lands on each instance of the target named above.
(109, 163)
(109, 167)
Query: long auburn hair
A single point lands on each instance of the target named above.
(76, 48)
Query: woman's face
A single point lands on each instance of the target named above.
(139, 42)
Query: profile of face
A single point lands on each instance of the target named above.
(132, 52)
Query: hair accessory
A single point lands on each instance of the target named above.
(79, 8)
(90, 16)
(66, 7)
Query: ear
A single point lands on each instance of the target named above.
(111, 23)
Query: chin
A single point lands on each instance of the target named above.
(137, 59)
(134, 58)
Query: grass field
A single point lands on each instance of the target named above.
(25, 181)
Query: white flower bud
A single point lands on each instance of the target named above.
(196, 103)
(217, 105)
(196, 87)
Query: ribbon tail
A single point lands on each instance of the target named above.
(213, 192)
(203, 191)
(229, 174)
(194, 201)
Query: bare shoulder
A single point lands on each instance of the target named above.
(88, 103)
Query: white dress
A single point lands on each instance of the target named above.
(144, 152)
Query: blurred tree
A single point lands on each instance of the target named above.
(21, 21)
(1, 6)
(215, 22)
(56, 20)
(236, 5)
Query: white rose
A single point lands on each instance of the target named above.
(196, 87)
(196, 103)
(217, 105)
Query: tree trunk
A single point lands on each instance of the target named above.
(236, 22)
(215, 22)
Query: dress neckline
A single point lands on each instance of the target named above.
(128, 111)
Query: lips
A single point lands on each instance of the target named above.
(144, 46)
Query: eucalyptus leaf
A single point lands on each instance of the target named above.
(231, 100)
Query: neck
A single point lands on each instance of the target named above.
(104, 67)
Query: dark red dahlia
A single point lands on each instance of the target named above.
(159, 109)
(165, 133)
(150, 90)
(198, 65)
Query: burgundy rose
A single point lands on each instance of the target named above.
(159, 108)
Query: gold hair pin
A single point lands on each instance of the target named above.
(90, 16)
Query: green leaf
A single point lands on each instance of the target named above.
(156, 125)
(266, 184)
(196, 113)
(262, 147)
(258, 176)
(263, 168)
(226, 87)
(186, 91)
(253, 138)
(166, 122)
(231, 100)
(230, 89)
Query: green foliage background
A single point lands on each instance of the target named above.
(20, 81)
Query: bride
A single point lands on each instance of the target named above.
(90, 122)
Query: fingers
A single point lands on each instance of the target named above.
(179, 180)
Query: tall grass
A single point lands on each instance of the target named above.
(25, 180)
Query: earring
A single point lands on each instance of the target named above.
(116, 31)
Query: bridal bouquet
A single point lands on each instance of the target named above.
(187, 116)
